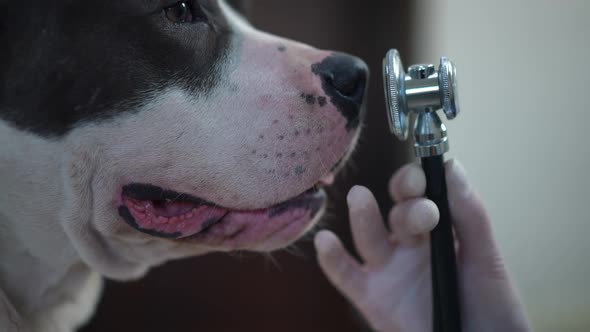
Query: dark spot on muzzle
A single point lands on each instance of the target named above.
(344, 80)
(299, 170)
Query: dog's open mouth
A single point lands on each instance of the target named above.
(169, 214)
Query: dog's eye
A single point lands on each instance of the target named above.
(181, 12)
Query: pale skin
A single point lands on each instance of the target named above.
(392, 286)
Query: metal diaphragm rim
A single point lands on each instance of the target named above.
(394, 78)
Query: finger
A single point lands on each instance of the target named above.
(471, 220)
(413, 218)
(407, 183)
(370, 236)
(341, 269)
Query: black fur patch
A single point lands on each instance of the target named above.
(66, 62)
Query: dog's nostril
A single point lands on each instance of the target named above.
(344, 74)
(347, 88)
(348, 80)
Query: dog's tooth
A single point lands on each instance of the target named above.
(139, 207)
(162, 220)
(182, 225)
(190, 214)
(174, 220)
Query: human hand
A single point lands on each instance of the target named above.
(392, 288)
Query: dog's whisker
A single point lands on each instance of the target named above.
(270, 258)
(296, 251)
(324, 168)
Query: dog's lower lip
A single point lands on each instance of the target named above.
(259, 229)
(180, 219)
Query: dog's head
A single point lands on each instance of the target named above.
(183, 129)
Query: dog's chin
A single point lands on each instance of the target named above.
(181, 217)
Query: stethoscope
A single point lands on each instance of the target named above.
(417, 96)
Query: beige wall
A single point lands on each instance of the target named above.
(524, 70)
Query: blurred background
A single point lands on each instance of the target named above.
(523, 76)
(523, 70)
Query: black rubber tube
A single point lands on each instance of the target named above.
(446, 313)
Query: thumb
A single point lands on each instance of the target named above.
(470, 218)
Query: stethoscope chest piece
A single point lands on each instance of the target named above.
(422, 91)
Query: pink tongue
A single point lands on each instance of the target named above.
(176, 219)
(173, 209)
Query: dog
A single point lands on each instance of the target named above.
(133, 132)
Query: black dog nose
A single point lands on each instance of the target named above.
(344, 80)
(348, 77)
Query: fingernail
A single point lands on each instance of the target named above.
(354, 194)
(322, 240)
(426, 217)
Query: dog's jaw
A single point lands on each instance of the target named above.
(204, 164)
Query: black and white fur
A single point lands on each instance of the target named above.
(95, 95)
